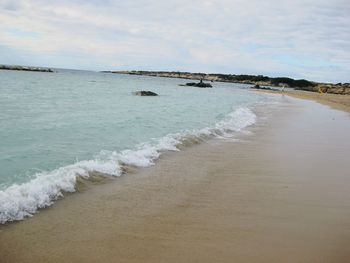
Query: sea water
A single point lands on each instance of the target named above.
(56, 127)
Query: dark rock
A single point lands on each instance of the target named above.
(200, 84)
(145, 93)
(257, 86)
(204, 85)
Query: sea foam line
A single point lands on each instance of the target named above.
(20, 201)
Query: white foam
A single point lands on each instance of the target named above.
(236, 121)
(20, 201)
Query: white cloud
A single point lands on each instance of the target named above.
(297, 38)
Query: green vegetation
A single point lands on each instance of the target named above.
(292, 82)
(274, 81)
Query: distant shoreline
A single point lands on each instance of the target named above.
(25, 68)
(300, 84)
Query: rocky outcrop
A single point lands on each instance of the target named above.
(200, 84)
(330, 88)
(145, 93)
(25, 68)
(320, 88)
(257, 86)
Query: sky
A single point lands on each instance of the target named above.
(294, 38)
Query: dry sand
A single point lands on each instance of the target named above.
(279, 194)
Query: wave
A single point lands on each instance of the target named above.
(20, 201)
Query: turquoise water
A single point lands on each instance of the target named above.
(57, 126)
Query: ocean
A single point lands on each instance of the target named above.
(58, 127)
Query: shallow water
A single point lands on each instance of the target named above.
(57, 126)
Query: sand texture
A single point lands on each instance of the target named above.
(336, 101)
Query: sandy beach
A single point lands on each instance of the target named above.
(278, 193)
(335, 101)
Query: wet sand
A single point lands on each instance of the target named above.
(278, 194)
(336, 101)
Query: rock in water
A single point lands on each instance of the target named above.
(199, 84)
(257, 86)
(203, 85)
(145, 93)
(191, 84)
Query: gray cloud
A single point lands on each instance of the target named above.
(306, 39)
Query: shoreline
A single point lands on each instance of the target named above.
(335, 101)
(209, 203)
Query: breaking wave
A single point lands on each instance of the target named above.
(23, 200)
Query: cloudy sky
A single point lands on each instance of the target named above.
(296, 38)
